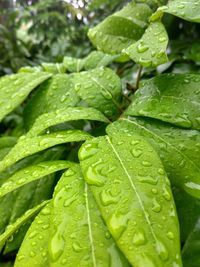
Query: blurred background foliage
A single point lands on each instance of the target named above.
(35, 31)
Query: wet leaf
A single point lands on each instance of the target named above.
(121, 29)
(16, 87)
(172, 98)
(134, 196)
(78, 235)
(150, 50)
(178, 149)
(11, 229)
(27, 146)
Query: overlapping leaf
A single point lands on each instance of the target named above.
(121, 29)
(172, 98)
(15, 88)
(133, 193)
(178, 148)
(150, 50)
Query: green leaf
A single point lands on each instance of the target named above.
(150, 50)
(63, 115)
(34, 249)
(134, 196)
(32, 173)
(99, 88)
(121, 29)
(73, 64)
(11, 229)
(185, 9)
(56, 93)
(191, 249)
(178, 149)
(54, 68)
(172, 98)
(27, 146)
(78, 235)
(15, 88)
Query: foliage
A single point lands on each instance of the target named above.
(100, 155)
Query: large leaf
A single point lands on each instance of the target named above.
(15, 88)
(63, 115)
(133, 193)
(99, 88)
(185, 9)
(27, 146)
(11, 229)
(150, 50)
(191, 249)
(56, 93)
(121, 29)
(178, 148)
(30, 174)
(78, 235)
(173, 98)
(34, 250)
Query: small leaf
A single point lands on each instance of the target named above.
(34, 250)
(11, 229)
(99, 88)
(172, 98)
(134, 196)
(178, 149)
(32, 173)
(27, 146)
(16, 87)
(185, 9)
(63, 115)
(121, 29)
(78, 235)
(150, 50)
(73, 64)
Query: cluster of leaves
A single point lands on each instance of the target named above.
(96, 170)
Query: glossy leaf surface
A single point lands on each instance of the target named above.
(16, 87)
(78, 235)
(35, 241)
(99, 88)
(121, 29)
(133, 193)
(19, 222)
(178, 149)
(27, 146)
(150, 50)
(172, 98)
(30, 174)
(63, 115)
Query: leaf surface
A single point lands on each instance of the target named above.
(150, 50)
(63, 115)
(121, 29)
(185, 9)
(34, 250)
(32, 173)
(178, 149)
(78, 234)
(172, 98)
(27, 146)
(16, 87)
(11, 229)
(134, 196)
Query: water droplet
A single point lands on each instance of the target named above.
(118, 224)
(162, 250)
(170, 235)
(107, 198)
(136, 152)
(162, 39)
(32, 254)
(156, 206)
(146, 163)
(57, 244)
(93, 177)
(139, 238)
(166, 194)
(148, 179)
(142, 48)
(88, 150)
(76, 247)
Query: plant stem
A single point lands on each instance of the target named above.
(138, 77)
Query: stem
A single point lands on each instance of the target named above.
(138, 77)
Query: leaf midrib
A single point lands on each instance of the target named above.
(134, 188)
